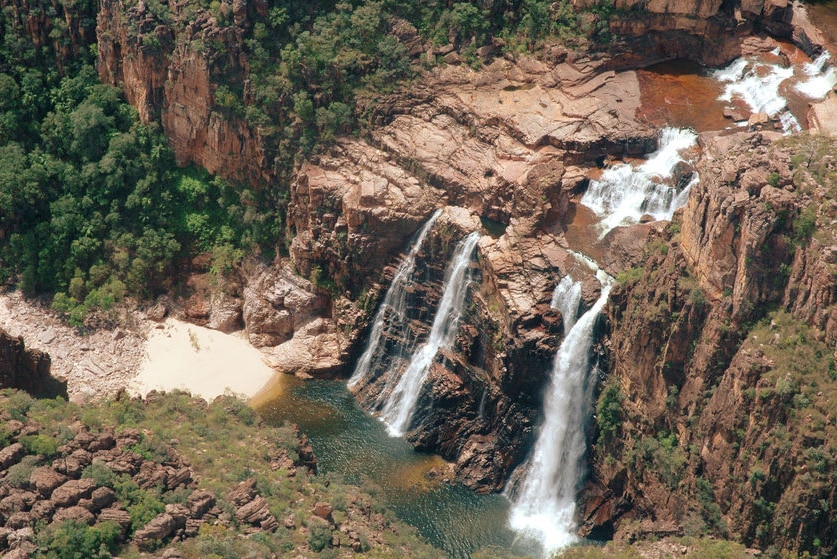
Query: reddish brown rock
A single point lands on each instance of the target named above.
(45, 480)
(116, 515)
(158, 529)
(27, 369)
(76, 513)
(323, 510)
(200, 502)
(11, 455)
(70, 492)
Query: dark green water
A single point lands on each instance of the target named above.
(354, 445)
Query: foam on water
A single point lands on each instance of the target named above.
(625, 193)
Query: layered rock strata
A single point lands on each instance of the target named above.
(721, 353)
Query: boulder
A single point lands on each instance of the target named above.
(323, 510)
(70, 492)
(158, 529)
(77, 513)
(11, 455)
(46, 480)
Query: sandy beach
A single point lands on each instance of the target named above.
(205, 362)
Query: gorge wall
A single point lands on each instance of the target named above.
(27, 369)
(718, 409)
(706, 424)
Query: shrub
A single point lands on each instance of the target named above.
(40, 444)
(76, 540)
(320, 537)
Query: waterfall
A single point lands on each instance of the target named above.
(757, 84)
(625, 193)
(566, 298)
(394, 306)
(544, 502)
(821, 78)
(399, 407)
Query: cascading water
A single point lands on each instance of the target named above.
(399, 407)
(758, 84)
(821, 78)
(392, 313)
(543, 505)
(566, 298)
(625, 193)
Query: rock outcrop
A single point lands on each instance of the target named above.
(720, 357)
(74, 483)
(168, 73)
(27, 369)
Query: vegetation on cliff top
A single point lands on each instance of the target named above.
(92, 206)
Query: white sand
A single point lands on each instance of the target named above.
(205, 362)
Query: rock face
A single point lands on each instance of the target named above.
(719, 355)
(174, 79)
(704, 429)
(27, 369)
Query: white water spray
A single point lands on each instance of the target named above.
(401, 403)
(544, 504)
(566, 298)
(625, 193)
(821, 78)
(394, 306)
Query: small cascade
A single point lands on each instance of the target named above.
(821, 78)
(392, 313)
(566, 298)
(625, 193)
(758, 84)
(399, 407)
(755, 83)
(543, 504)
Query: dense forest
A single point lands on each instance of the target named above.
(92, 205)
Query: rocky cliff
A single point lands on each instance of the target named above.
(700, 424)
(169, 60)
(27, 369)
(718, 411)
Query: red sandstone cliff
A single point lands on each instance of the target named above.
(723, 355)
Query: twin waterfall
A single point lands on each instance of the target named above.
(398, 410)
(543, 497)
(401, 392)
(393, 311)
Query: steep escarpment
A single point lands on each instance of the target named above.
(718, 409)
(169, 61)
(27, 369)
(504, 149)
